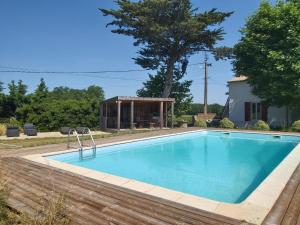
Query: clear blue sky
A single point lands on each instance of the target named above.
(70, 35)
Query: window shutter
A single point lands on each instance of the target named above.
(247, 111)
(264, 112)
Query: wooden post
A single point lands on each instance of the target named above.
(101, 117)
(131, 114)
(105, 125)
(205, 86)
(161, 115)
(172, 114)
(119, 115)
(166, 114)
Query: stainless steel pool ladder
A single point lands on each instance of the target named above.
(92, 138)
(86, 130)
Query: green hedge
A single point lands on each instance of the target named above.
(296, 126)
(2, 129)
(261, 125)
(226, 123)
(200, 123)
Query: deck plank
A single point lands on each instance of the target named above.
(72, 192)
(102, 203)
(96, 201)
(286, 210)
(293, 210)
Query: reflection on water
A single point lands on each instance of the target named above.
(85, 155)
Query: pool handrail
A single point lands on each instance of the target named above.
(92, 138)
(72, 130)
(85, 130)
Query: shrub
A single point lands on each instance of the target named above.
(2, 129)
(296, 126)
(53, 210)
(226, 123)
(200, 123)
(261, 125)
(14, 121)
(7, 216)
(185, 118)
(170, 120)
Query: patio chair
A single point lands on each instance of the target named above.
(12, 131)
(81, 130)
(30, 130)
(66, 130)
(214, 123)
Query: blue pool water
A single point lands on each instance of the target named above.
(214, 165)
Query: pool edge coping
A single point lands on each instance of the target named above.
(253, 209)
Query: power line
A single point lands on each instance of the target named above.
(87, 75)
(31, 71)
(195, 84)
(14, 68)
(79, 73)
(70, 72)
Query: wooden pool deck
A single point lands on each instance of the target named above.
(94, 202)
(91, 202)
(286, 210)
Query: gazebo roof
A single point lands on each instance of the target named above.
(139, 99)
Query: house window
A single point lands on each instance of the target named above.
(256, 111)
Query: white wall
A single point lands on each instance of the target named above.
(239, 93)
(295, 115)
(277, 116)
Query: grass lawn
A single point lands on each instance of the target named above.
(23, 143)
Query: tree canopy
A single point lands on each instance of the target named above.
(269, 53)
(50, 110)
(167, 31)
(180, 90)
(16, 97)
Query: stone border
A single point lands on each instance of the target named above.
(253, 209)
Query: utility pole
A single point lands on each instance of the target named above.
(205, 84)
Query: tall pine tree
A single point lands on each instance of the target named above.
(168, 31)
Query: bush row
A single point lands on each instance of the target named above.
(296, 126)
(259, 125)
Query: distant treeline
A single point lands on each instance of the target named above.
(63, 106)
(50, 110)
(199, 108)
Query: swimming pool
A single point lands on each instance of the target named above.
(221, 166)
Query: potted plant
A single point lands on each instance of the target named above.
(13, 129)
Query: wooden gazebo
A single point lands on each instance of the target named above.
(130, 112)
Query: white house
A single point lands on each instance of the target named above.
(244, 108)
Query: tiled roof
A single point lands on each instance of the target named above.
(238, 78)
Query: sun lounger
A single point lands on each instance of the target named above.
(66, 130)
(81, 130)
